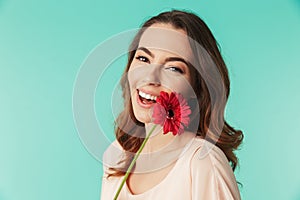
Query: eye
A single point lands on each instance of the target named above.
(142, 58)
(175, 69)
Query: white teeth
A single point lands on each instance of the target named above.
(147, 96)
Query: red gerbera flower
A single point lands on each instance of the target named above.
(172, 112)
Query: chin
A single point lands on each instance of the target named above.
(142, 117)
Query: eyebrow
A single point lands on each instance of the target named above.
(169, 59)
(177, 59)
(147, 51)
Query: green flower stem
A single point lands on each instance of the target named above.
(133, 161)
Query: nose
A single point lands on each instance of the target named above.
(153, 76)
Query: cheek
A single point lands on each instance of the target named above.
(132, 78)
(180, 85)
(136, 75)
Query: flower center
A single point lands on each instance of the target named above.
(170, 114)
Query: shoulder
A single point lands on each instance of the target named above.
(210, 173)
(112, 155)
(207, 157)
(207, 154)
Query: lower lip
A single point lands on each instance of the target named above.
(141, 103)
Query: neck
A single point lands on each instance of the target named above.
(161, 149)
(158, 140)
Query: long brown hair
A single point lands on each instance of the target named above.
(130, 132)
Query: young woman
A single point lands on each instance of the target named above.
(174, 52)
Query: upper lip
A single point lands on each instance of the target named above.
(152, 93)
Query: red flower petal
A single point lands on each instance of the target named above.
(178, 110)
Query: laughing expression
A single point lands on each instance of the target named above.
(161, 63)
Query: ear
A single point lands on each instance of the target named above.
(195, 115)
(193, 96)
(193, 103)
(190, 94)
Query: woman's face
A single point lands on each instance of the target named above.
(160, 64)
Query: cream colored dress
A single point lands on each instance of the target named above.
(201, 172)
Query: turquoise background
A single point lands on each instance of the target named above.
(43, 44)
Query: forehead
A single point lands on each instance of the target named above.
(166, 38)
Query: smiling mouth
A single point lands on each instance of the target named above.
(146, 98)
